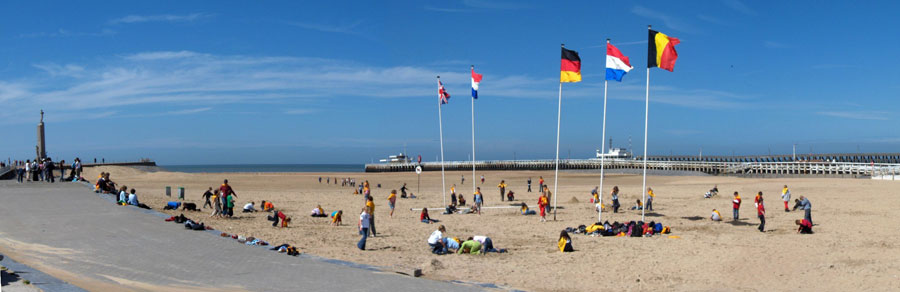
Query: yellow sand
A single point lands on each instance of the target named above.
(855, 246)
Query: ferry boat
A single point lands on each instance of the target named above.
(399, 158)
(615, 153)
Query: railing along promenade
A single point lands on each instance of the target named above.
(815, 168)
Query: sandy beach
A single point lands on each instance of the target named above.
(854, 248)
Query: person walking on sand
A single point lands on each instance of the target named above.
(218, 204)
(363, 225)
(403, 191)
(482, 179)
(206, 196)
(370, 207)
(736, 205)
(226, 189)
(806, 207)
(650, 196)
(502, 187)
(761, 212)
(786, 197)
(615, 199)
(529, 184)
(392, 200)
(543, 203)
(462, 179)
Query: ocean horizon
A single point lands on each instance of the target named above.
(218, 168)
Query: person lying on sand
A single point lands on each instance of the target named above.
(526, 211)
(470, 246)
(487, 245)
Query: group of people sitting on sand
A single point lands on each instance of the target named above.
(477, 244)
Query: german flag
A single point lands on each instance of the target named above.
(661, 51)
(570, 69)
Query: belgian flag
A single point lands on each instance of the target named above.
(570, 69)
(661, 51)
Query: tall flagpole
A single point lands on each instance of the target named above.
(602, 149)
(556, 180)
(473, 139)
(441, 129)
(646, 120)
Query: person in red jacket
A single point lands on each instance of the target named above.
(761, 212)
(736, 205)
(805, 227)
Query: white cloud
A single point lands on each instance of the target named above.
(857, 115)
(774, 45)
(66, 33)
(349, 28)
(667, 20)
(302, 111)
(160, 18)
(185, 79)
(739, 6)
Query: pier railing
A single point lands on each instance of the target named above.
(824, 168)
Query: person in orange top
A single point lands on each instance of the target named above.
(392, 200)
(650, 197)
(502, 187)
(543, 203)
(267, 206)
(370, 206)
(541, 183)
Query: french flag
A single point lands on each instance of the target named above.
(476, 78)
(616, 63)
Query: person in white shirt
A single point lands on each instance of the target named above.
(486, 244)
(363, 228)
(436, 241)
(715, 215)
(249, 208)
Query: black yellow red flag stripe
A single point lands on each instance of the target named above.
(570, 68)
(661, 51)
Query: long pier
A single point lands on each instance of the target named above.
(747, 167)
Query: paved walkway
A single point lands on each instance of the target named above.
(66, 231)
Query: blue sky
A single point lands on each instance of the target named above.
(187, 82)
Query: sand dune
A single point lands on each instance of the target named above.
(855, 246)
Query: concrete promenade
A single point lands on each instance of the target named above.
(67, 231)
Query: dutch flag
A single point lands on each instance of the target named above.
(476, 78)
(616, 63)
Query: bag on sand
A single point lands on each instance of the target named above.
(658, 228)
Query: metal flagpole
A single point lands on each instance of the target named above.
(556, 180)
(441, 129)
(602, 150)
(646, 120)
(473, 140)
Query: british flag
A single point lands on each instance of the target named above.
(443, 94)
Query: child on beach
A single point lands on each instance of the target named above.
(565, 242)
(267, 206)
(650, 197)
(716, 216)
(543, 204)
(403, 191)
(363, 228)
(453, 196)
(615, 199)
(541, 183)
(482, 179)
(424, 218)
(479, 200)
(249, 208)
(637, 205)
(525, 210)
(502, 187)
(804, 226)
(736, 205)
(392, 200)
(370, 206)
(318, 212)
(470, 246)
(761, 212)
(786, 197)
(436, 241)
(462, 200)
(336, 217)
(279, 216)
(218, 204)
(595, 196)
(206, 196)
